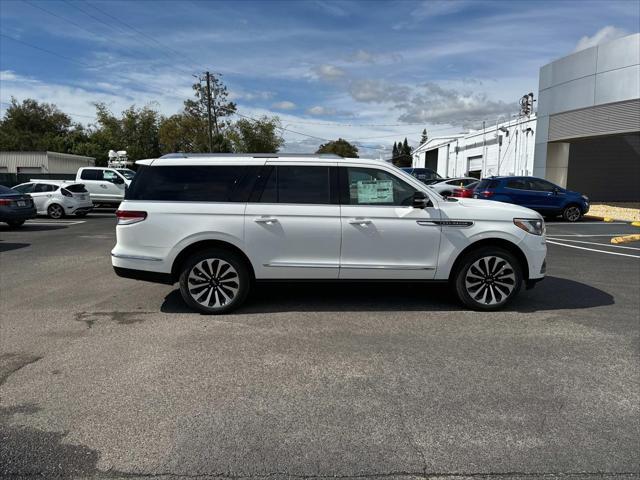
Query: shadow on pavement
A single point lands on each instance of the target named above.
(551, 294)
(27, 452)
(31, 227)
(7, 246)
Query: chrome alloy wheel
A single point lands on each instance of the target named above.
(55, 211)
(490, 280)
(213, 283)
(573, 214)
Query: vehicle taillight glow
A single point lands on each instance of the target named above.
(487, 193)
(128, 217)
(5, 202)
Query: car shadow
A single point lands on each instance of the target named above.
(8, 246)
(31, 227)
(552, 294)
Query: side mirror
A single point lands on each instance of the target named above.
(421, 200)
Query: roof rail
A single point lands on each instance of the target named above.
(251, 155)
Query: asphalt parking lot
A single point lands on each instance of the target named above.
(111, 378)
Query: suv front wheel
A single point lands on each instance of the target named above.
(488, 278)
(214, 281)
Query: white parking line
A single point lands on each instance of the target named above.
(583, 224)
(59, 222)
(593, 249)
(587, 235)
(594, 243)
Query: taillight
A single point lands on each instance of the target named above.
(128, 217)
(457, 192)
(487, 193)
(5, 202)
(66, 192)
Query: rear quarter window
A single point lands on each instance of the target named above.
(76, 188)
(209, 183)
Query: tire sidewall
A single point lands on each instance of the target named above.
(244, 279)
(469, 259)
(55, 205)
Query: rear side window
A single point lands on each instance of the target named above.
(76, 188)
(297, 184)
(485, 184)
(518, 184)
(43, 187)
(91, 174)
(208, 183)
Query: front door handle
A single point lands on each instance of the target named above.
(360, 221)
(267, 220)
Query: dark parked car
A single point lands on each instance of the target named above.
(15, 207)
(425, 175)
(535, 193)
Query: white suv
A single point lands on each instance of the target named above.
(217, 223)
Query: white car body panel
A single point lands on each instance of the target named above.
(103, 191)
(42, 200)
(294, 241)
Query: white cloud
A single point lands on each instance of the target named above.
(318, 110)
(284, 105)
(328, 72)
(605, 34)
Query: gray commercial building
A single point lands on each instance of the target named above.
(42, 163)
(588, 125)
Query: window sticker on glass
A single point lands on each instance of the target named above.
(372, 191)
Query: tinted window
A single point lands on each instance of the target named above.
(369, 186)
(6, 190)
(26, 188)
(297, 184)
(541, 185)
(517, 184)
(193, 183)
(43, 187)
(126, 173)
(91, 174)
(76, 188)
(485, 184)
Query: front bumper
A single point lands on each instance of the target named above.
(11, 214)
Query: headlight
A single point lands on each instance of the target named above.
(530, 225)
(585, 198)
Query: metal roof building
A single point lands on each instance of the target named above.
(43, 162)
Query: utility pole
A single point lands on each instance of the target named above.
(209, 111)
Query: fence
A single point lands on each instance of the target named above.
(11, 179)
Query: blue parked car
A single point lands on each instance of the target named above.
(535, 193)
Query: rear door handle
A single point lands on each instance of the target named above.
(360, 221)
(267, 220)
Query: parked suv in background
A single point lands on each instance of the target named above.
(57, 198)
(535, 193)
(216, 223)
(106, 185)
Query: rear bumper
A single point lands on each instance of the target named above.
(79, 208)
(144, 275)
(8, 215)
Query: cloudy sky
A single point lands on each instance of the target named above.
(371, 72)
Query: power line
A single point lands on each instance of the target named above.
(50, 52)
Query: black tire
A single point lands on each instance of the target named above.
(213, 293)
(55, 211)
(15, 223)
(572, 213)
(484, 284)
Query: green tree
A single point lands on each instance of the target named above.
(32, 125)
(424, 137)
(339, 147)
(403, 155)
(394, 152)
(256, 136)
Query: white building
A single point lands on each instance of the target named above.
(585, 135)
(500, 149)
(43, 162)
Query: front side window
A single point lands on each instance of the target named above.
(126, 173)
(541, 185)
(25, 188)
(193, 183)
(43, 187)
(109, 176)
(517, 184)
(297, 184)
(369, 186)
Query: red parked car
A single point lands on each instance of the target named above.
(465, 192)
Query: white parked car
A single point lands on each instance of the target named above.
(57, 198)
(446, 187)
(217, 223)
(106, 185)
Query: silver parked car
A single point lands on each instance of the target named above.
(446, 187)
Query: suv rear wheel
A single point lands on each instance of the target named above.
(488, 278)
(214, 281)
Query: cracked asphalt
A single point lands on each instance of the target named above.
(103, 377)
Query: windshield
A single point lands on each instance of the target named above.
(126, 173)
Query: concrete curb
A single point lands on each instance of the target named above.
(626, 239)
(609, 219)
(635, 224)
